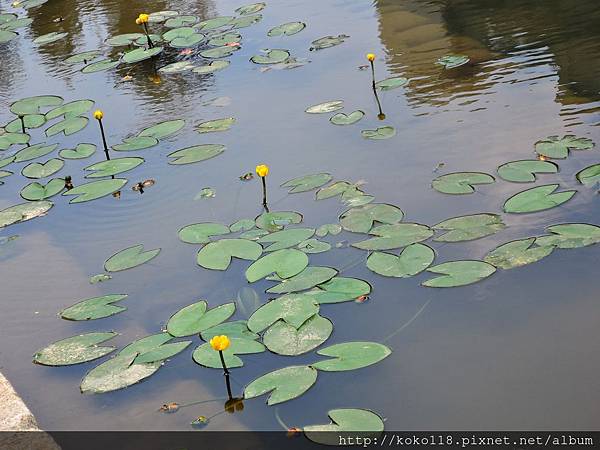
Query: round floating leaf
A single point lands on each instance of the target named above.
(570, 235)
(71, 109)
(395, 236)
(329, 228)
(308, 278)
(135, 143)
(590, 175)
(32, 105)
(177, 67)
(242, 225)
(285, 263)
(141, 54)
(274, 56)
(459, 273)
(328, 41)
(391, 83)
(116, 373)
(194, 319)
(94, 308)
(123, 39)
(24, 212)
(43, 170)
(31, 121)
(351, 356)
(216, 22)
(525, 171)
(287, 29)
(161, 16)
(347, 119)
(181, 32)
(227, 37)
(275, 221)
(196, 153)
(286, 238)
(537, 199)
(6, 161)
(188, 41)
(379, 133)
(146, 344)
(293, 309)
(7, 17)
(15, 25)
(129, 258)
(99, 66)
(95, 189)
(413, 260)
(31, 3)
(314, 246)
(453, 61)
(461, 182)
(219, 52)
(112, 167)
(467, 228)
(283, 384)
(517, 254)
(49, 37)
(217, 255)
(162, 353)
(35, 151)
(250, 9)
(6, 36)
(340, 289)
(99, 278)
(200, 233)
(207, 357)
(68, 126)
(37, 191)
(216, 125)
(246, 21)
(307, 182)
(345, 423)
(235, 329)
(212, 67)
(362, 218)
(74, 350)
(80, 152)
(181, 21)
(284, 339)
(9, 139)
(326, 107)
(82, 57)
(558, 148)
(253, 235)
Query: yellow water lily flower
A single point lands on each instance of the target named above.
(98, 115)
(138, 21)
(220, 343)
(262, 170)
(371, 56)
(143, 18)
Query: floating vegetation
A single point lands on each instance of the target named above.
(75, 350)
(328, 41)
(558, 148)
(525, 171)
(391, 83)
(129, 258)
(95, 189)
(379, 133)
(326, 107)
(461, 182)
(286, 29)
(459, 273)
(413, 260)
(94, 308)
(359, 423)
(347, 119)
(453, 61)
(537, 199)
(271, 57)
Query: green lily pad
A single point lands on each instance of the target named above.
(68, 126)
(31, 121)
(116, 373)
(351, 356)
(293, 309)
(340, 289)
(468, 228)
(112, 167)
(570, 235)
(219, 52)
(196, 153)
(177, 67)
(6, 36)
(362, 219)
(82, 151)
(71, 109)
(35, 151)
(31, 3)
(214, 66)
(250, 9)
(286, 238)
(123, 39)
(517, 253)
(188, 41)
(246, 21)
(99, 66)
(355, 197)
(284, 339)
(236, 329)
(135, 143)
(9, 139)
(16, 24)
(207, 357)
(347, 422)
(129, 258)
(391, 83)
(82, 57)
(395, 236)
(285, 263)
(94, 308)
(200, 233)
(461, 182)
(277, 220)
(32, 105)
(558, 148)
(314, 246)
(74, 350)
(329, 228)
(162, 353)
(24, 212)
(6, 161)
(274, 56)
(195, 318)
(42, 170)
(37, 191)
(308, 278)
(99, 278)
(49, 37)
(161, 16)
(253, 235)
(217, 255)
(282, 384)
(95, 189)
(379, 133)
(537, 199)
(328, 41)
(525, 171)
(146, 344)
(286, 29)
(224, 38)
(590, 175)
(141, 54)
(326, 107)
(216, 125)
(181, 21)
(347, 119)
(453, 61)
(459, 273)
(413, 260)
(214, 23)
(242, 225)
(307, 182)
(4, 174)
(6, 18)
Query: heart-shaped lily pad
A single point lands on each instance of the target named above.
(95, 189)
(385, 132)
(362, 218)
(42, 170)
(24, 212)
(283, 384)
(517, 253)
(459, 273)
(329, 228)
(163, 129)
(135, 143)
(570, 235)
(537, 199)
(391, 83)
(74, 350)
(188, 41)
(351, 356)
(217, 255)
(214, 66)
(130, 257)
(216, 125)
(99, 66)
(326, 107)
(346, 423)
(250, 9)
(177, 67)
(293, 309)
(242, 225)
(37, 191)
(215, 22)
(71, 109)
(284, 339)
(123, 39)
(112, 167)
(590, 175)
(146, 344)
(227, 37)
(196, 153)
(141, 54)
(81, 151)
(340, 289)
(49, 38)
(235, 329)
(6, 36)
(245, 21)
(558, 148)
(286, 238)
(30, 121)
(307, 182)
(285, 263)
(162, 353)
(33, 152)
(32, 105)
(467, 228)
(453, 61)
(200, 233)
(277, 220)
(525, 171)
(328, 41)
(161, 16)
(286, 29)
(395, 236)
(272, 56)
(310, 277)
(181, 21)
(219, 52)
(314, 246)
(68, 126)
(413, 260)
(94, 308)
(207, 357)
(461, 182)
(347, 119)
(9, 139)
(82, 57)
(195, 318)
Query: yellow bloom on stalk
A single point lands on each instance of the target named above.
(98, 115)
(262, 170)
(220, 343)
(143, 18)
(371, 56)
(138, 21)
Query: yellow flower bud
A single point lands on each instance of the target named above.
(262, 170)
(371, 56)
(220, 343)
(98, 115)
(138, 21)
(143, 18)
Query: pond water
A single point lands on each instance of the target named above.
(515, 351)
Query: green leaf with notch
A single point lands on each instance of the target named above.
(282, 384)
(413, 260)
(217, 255)
(129, 258)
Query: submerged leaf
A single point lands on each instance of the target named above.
(129, 258)
(590, 175)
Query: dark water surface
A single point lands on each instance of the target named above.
(516, 351)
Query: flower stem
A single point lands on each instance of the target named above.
(150, 44)
(104, 139)
(225, 370)
(264, 185)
